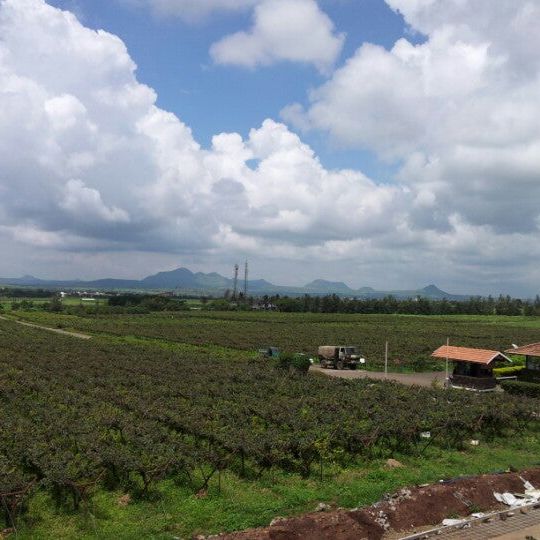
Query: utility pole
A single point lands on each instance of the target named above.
(386, 359)
(447, 379)
(235, 290)
(245, 281)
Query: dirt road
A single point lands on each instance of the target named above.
(55, 330)
(419, 379)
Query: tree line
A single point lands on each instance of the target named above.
(477, 305)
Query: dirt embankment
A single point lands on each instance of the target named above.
(404, 511)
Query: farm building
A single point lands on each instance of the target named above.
(532, 355)
(473, 368)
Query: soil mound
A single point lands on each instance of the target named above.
(405, 510)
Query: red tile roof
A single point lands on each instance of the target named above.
(529, 350)
(466, 354)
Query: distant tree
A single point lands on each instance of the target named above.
(55, 305)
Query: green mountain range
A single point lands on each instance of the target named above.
(185, 281)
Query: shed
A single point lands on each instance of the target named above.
(473, 368)
(531, 353)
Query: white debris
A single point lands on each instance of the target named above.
(453, 522)
(381, 519)
(510, 499)
(531, 496)
(526, 484)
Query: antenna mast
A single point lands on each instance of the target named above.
(235, 281)
(245, 281)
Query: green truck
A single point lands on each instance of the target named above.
(339, 356)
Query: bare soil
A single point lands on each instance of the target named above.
(418, 379)
(407, 510)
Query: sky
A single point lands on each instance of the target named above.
(384, 143)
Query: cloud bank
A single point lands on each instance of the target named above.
(193, 10)
(460, 114)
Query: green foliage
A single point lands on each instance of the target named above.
(124, 414)
(55, 305)
(147, 303)
(530, 375)
(30, 292)
(503, 305)
(507, 371)
(301, 363)
(412, 339)
(522, 388)
(296, 362)
(220, 304)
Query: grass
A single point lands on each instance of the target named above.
(176, 512)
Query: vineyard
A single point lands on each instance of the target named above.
(412, 338)
(79, 417)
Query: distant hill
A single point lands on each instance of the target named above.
(184, 280)
(433, 291)
(179, 278)
(329, 286)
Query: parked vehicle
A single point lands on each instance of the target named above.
(269, 352)
(339, 356)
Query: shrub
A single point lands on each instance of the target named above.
(301, 362)
(293, 362)
(55, 305)
(529, 375)
(522, 388)
(507, 371)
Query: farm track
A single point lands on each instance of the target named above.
(412, 379)
(55, 330)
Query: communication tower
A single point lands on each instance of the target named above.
(235, 290)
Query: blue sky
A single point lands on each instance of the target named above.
(172, 57)
(384, 143)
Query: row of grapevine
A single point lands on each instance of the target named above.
(412, 338)
(79, 415)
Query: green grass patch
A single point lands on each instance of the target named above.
(177, 512)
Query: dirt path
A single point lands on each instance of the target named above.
(419, 379)
(55, 330)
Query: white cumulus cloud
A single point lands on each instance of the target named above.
(459, 113)
(292, 30)
(86, 203)
(88, 155)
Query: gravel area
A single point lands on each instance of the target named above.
(418, 379)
